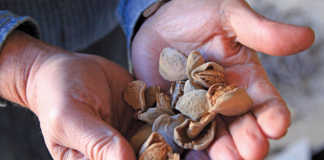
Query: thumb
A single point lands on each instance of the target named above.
(89, 136)
(264, 35)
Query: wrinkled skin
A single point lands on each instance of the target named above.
(228, 32)
(82, 116)
(85, 116)
(76, 97)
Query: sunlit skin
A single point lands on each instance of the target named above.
(228, 32)
(77, 97)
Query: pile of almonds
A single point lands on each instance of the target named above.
(185, 117)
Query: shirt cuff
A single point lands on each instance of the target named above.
(128, 13)
(10, 22)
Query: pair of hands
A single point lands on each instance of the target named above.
(77, 97)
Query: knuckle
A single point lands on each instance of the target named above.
(100, 147)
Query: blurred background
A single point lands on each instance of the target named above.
(299, 78)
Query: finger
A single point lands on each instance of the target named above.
(223, 148)
(248, 138)
(264, 35)
(59, 152)
(98, 140)
(271, 111)
(272, 114)
(63, 153)
(87, 134)
(113, 71)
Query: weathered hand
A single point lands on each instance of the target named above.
(79, 105)
(228, 32)
(77, 99)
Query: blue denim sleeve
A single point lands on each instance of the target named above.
(129, 11)
(9, 22)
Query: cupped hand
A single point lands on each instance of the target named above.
(228, 32)
(78, 101)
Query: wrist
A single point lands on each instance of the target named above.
(20, 58)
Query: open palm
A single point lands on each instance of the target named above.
(228, 32)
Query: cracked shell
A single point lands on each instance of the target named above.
(154, 137)
(150, 95)
(176, 92)
(189, 86)
(163, 101)
(172, 65)
(208, 74)
(152, 114)
(134, 95)
(140, 136)
(228, 100)
(201, 142)
(155, 148)
(196, 127)
(165, 125)
(193, 104)
(194, 60)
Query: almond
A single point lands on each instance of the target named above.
(228, 100)
(208, 74)
(193, 104)
(134, 95)
(172, 65)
